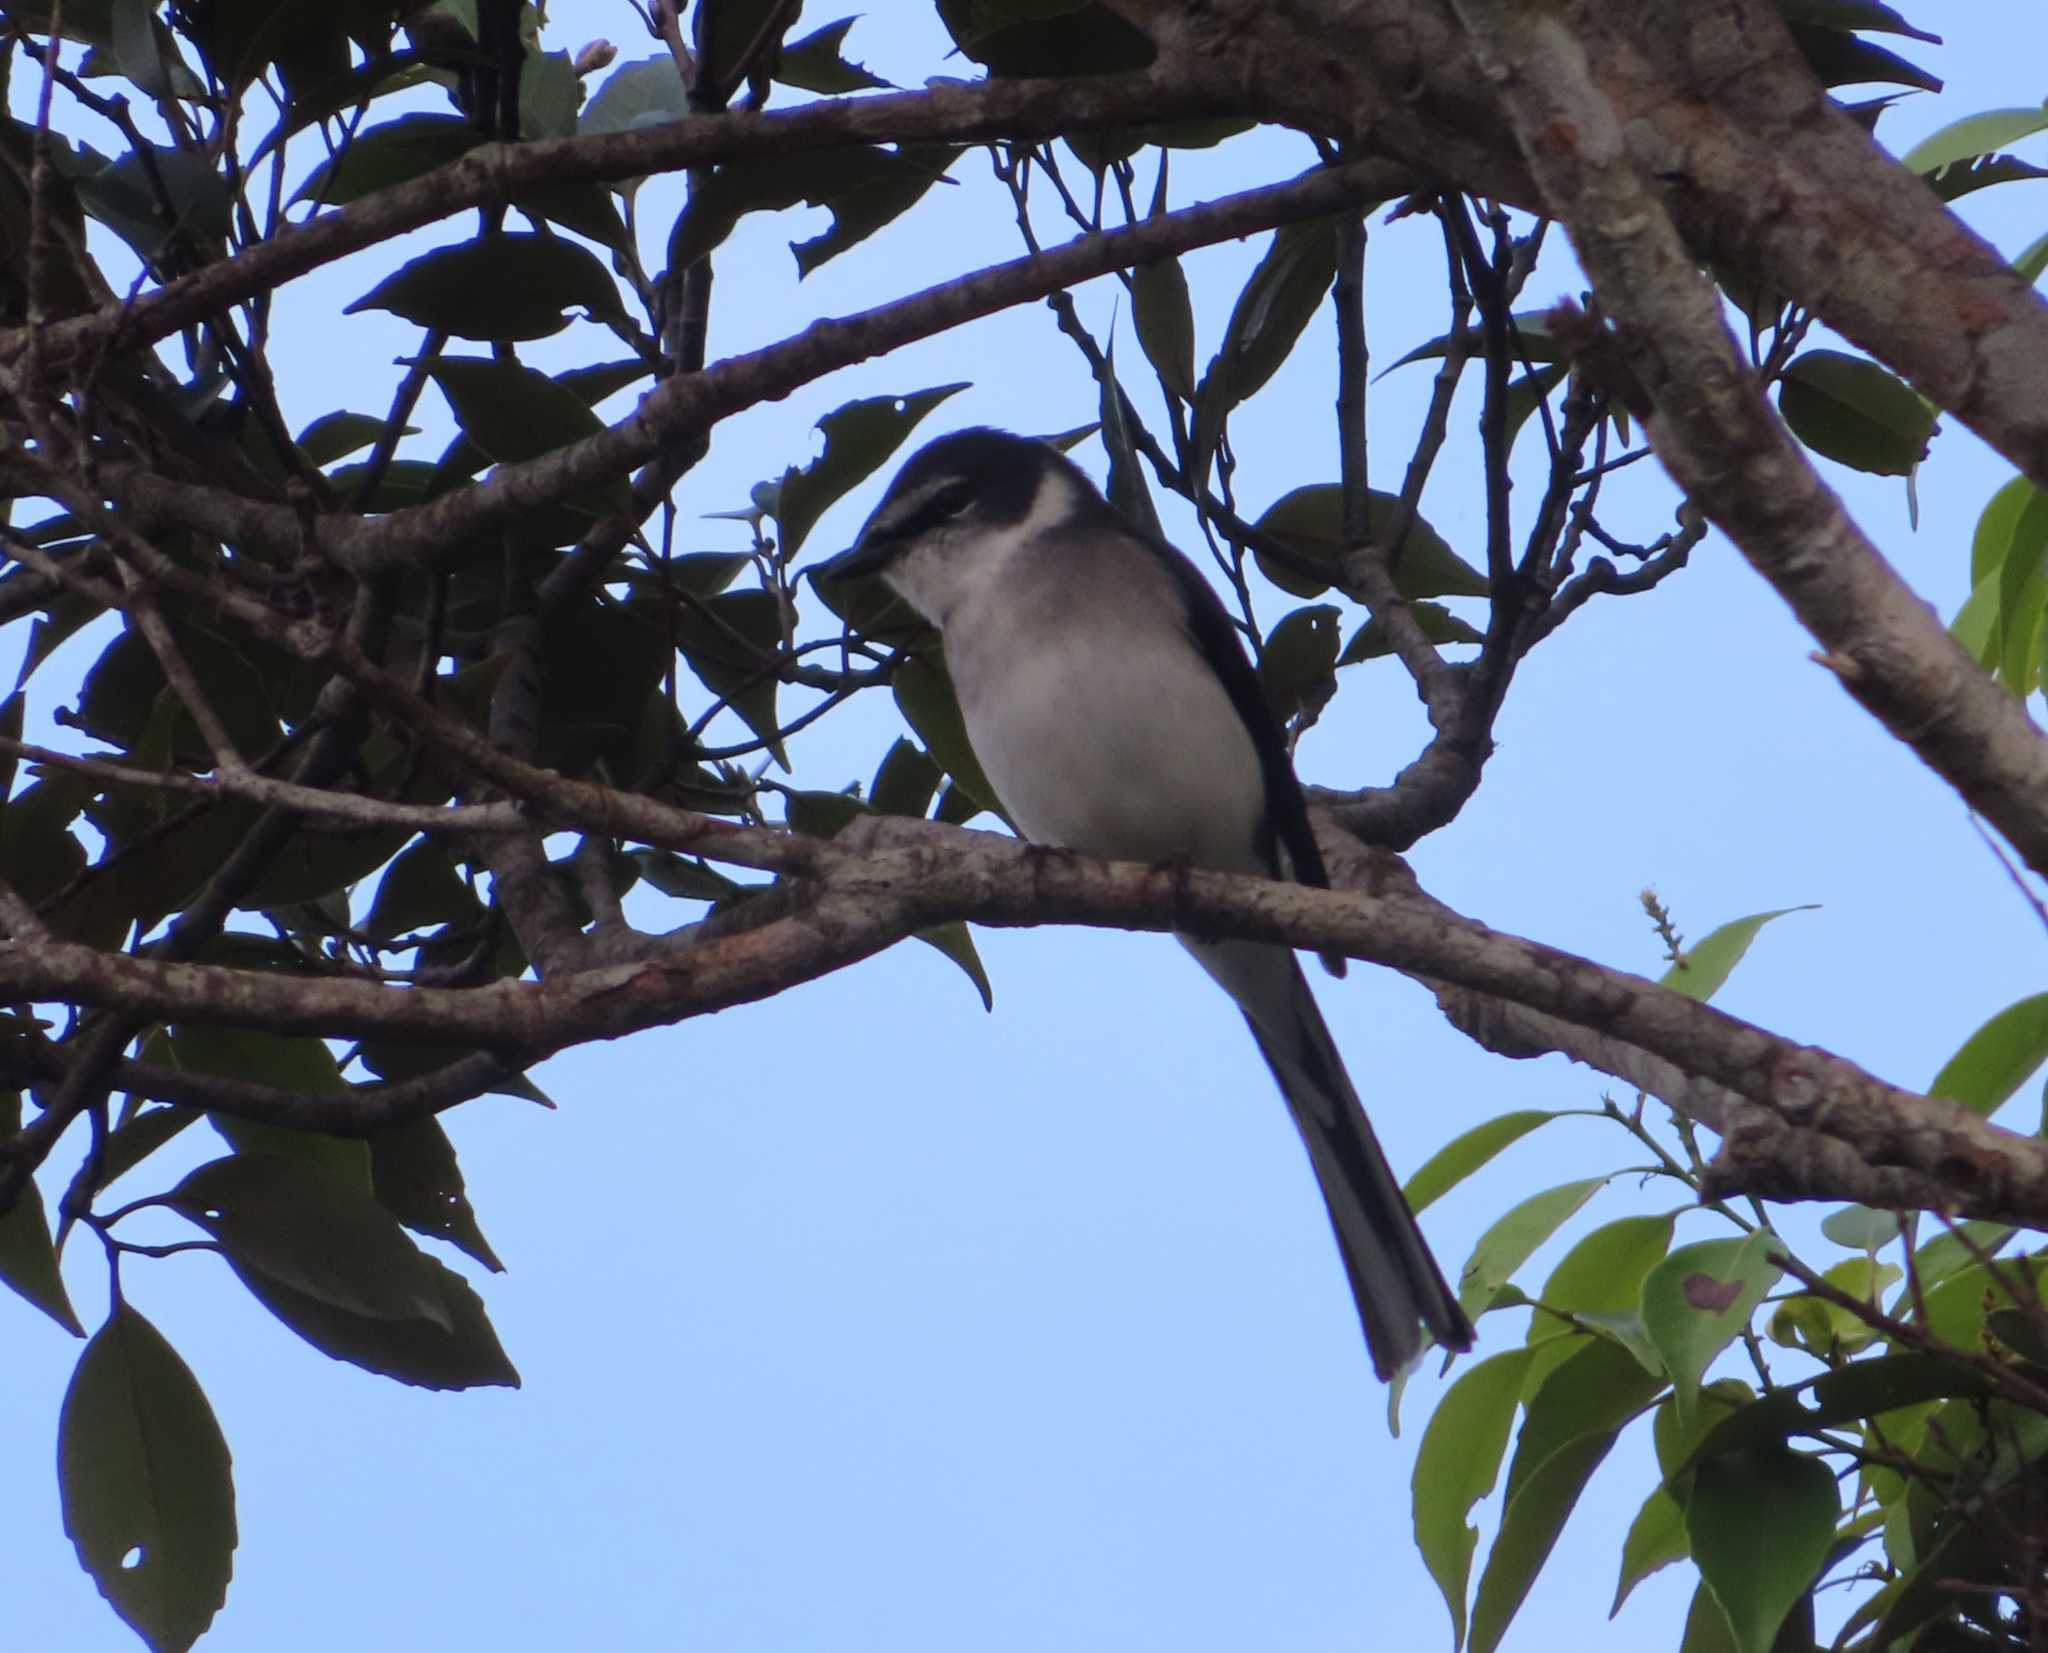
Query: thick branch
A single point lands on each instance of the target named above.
(917, 874)
(689, 404)
(1733, 456)
(497, 173)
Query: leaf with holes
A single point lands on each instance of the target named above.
(415, 1176)
(859, 438)
(148, 1493)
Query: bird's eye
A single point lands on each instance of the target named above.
(952, 500)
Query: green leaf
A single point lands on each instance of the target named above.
(1438, 624)
(956, 941)
(1532, 335)
(149, 1499)
(503, 285)
(1656, 1538)
(1126, 489)
(1298, 664)
(1039, 39)
(549, 94)
(1851, 410)
(1839, 58)
(1860, 1228)
(1310, 522)
(1760, 1524)
(130, 1144)
(1165, 319)
(1602, 1274)
(335, 436)
(1707, 965)
(733, 643)
(905, 781)
(1999, 528)
(1506, 1246)
(2032, 260)
(859, 438)
(414, 1172)
(390, 153)
(1696, 1301)
(863, 188)
(28, 1259)
(1869, 15)
(1467, 1152)
(1573, 1421)
(2022, 594)
(1456, 1466)
(1278, 302)
(421, 890)
(645, 93)
(296, 1062)
(924, 695)
(1973, 135)
(416, 1352)
(816, 64)
(313, 1232)
(511, 411)
(1997, 1059)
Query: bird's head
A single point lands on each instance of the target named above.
(957, 510)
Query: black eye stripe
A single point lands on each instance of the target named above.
(944, 504)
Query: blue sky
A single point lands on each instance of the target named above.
(862, 1319)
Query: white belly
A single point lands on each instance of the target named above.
(1141, 757)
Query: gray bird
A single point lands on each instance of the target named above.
(1115, 713)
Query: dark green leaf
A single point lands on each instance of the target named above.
(293, 1062)
(317, 1233)
(1278, 302)
(549, 93)
(1760, 1524)
(1967, 177)
(1506, 1246)
(1310, 522)
(582, 205)
(1706, 967)
(733, 643)
(1126, 488)
(1696, 1301)
(1298, 664)
(924, 695)
(1839, 58)
(956, 941)
(1998, 1058)
(417, 1352)
(149, 1500)
(1459, 1158)
(133, 1142)
(419, 891)
(501, 286)
(1870, 15)
(28, 1259)
(1851, 410)
(1165, 319)
(387, 154)
(905, 781)
(862, 187)
(510, 411)
(1571, 1425)
(417, 1179)
(1455, 1467)
(1438, 624)
(859, 438)
(1532, 334)
(1033, 39)
(335, 436)
(816, 63)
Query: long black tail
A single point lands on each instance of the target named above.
(1399, 1288)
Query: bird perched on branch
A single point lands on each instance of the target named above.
(1114, 711)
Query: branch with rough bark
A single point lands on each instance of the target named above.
(1723, 444)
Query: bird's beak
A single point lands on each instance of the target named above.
(870, 554)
